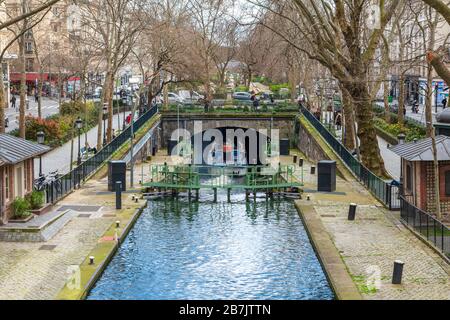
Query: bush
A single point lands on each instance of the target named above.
(411, 131)
(35, 199)
(20, 208)
(241, 89)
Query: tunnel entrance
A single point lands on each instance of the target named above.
(231, 146)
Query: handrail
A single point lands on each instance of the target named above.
(65, 184)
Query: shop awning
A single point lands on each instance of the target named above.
(30, 76)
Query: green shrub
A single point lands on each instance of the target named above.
(35, 199)
(20, 208)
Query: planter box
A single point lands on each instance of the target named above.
(46, 208)
(21, 220)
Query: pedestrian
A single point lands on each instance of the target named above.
(338, 121)
(444, 103)
(6, 122)
(255, 104)
(128, 119)
(13, 102)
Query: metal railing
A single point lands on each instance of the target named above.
(65, 184)
(381, 189)
(428, 227)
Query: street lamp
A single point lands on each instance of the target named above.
(105, 112)
(40, 137)
(79, 125)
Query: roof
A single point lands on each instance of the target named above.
(14, 150)
(422, 150)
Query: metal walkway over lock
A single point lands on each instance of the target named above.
(196, 177)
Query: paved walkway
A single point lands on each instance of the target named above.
(30, 271)
(369, 245)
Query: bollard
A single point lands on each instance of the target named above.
(398, 272)
(117, 224)
(295, 159)
(136, 199)
(229, 195)
(313, 170)
(91, 260)
(352, 212)
(215, 194)
(308, 198)
(300, 162)
(118, 195)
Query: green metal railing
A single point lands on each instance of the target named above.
(381, 189)
(223, 177)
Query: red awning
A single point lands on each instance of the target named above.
(30, 76)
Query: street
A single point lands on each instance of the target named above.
(49, 107)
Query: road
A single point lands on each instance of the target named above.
(49, 107)
(59, 158)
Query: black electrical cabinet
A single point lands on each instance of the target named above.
(117, 171)
(284, 147)
(326, 176)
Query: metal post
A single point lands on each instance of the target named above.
(104, 130)
(229, 194)
(118, 195)
(352, 212)
(398, 272)
(215, 194)
(79, 149)
(40, 166)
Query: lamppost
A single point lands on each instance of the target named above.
(105, 112)
(40, 137)
(79, 125)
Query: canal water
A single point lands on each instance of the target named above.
(205, 250)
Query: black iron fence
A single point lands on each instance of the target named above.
(68, 182)
(431, 229)
(385, 191)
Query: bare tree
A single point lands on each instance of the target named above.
(335, 35)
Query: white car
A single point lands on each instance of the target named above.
(190, 96)
(174, 98)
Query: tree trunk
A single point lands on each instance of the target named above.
(428, 102)
(369, 149)
(104, 100)
(387, 109)
(3, 103)
(110, 109)
(401, 99)
(347, 106)
(437, 199)
(23, 93)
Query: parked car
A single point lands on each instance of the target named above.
(190, 96)
(174, 98)
(242, 96)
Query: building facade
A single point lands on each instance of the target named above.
(16, 171)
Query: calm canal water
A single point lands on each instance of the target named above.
(182, 250)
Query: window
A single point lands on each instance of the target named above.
(409, 177)
(6, 184)
(29, 47)
(29, 64)
(447, 183)
(25, 175)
